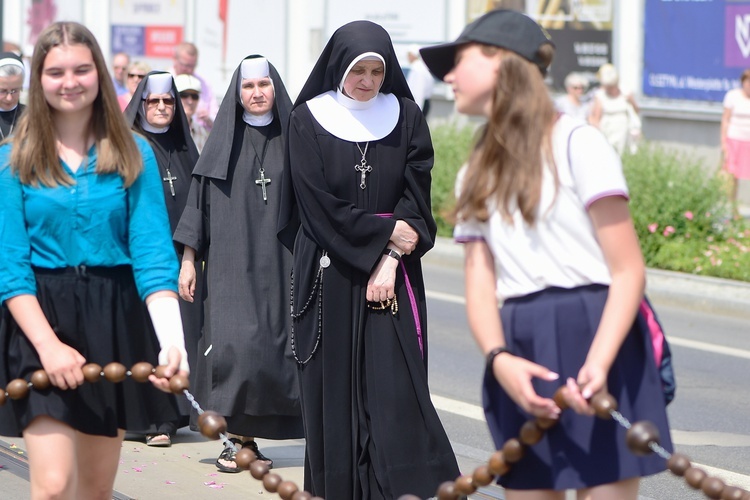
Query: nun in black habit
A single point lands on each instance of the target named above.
(155, 111)
(12, 73)
(245, 369)
(359, 159)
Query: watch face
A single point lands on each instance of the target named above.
(325, 261)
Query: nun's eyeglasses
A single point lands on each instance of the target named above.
(153, 102)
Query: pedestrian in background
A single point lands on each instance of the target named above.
(85, 241)
(189, 88)
(137, 71)
(420, 80)
(120, 62)
(184, 63)
(572, 102)
(360, 157)
(245, 369)
(615, 112)
(542, 213)
(735, 133)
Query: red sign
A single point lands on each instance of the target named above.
(161, 40)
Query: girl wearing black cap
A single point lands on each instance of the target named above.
(360, 157)
(85, 241)
(542, 210)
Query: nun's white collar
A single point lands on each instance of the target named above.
(353, 120)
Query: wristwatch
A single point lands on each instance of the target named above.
(392, 253)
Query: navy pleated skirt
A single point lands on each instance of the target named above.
(555, 328)
(99, 313)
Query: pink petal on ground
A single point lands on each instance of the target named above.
(168, 482)
(209, 483)
(137, 469)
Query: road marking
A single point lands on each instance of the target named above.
(678, 341)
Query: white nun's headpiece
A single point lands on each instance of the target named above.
(158, 83)
(255, 67)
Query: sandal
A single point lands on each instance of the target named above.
(161, 440)
(260, 456)
(229, 455)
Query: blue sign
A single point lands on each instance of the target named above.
(695, 49)
(129, 39)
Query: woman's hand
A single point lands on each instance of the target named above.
(162, 383)
(382, 283)
(186, 281)
(404, 237)
(63, 364)
(514, 374)
(577, 393)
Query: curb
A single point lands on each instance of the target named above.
(704, 293)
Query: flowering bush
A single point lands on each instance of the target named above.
(683, 217)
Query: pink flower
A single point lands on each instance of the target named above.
(689, 215)
(668, 230)
(652, 227)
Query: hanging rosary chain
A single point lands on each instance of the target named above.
(317, 290)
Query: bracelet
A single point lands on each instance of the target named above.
(392, 253)
(494, 353)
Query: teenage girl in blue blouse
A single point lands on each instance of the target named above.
(85, 239)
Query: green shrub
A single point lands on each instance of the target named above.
(680, 209)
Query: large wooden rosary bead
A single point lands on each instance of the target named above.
(498, 465)
(482, 476)
(447, 491)
(602, 403)
(694, 477)
(211, 424)
(178, 384)
(141, 371)
(3, 397)
(244, 458)
(287, 489)
(712, 487)
(271, 482)
(160, 370)
(17, 389)
(92, 372)
(402, 497)
(513, 450)
(545, 423)
(560, 398)
(40, 380)
(732, 493)
(530, 434)
(464, 485)
(302, 495)
(258, 469)
(115, 372)
(640, 435)
(678, 464)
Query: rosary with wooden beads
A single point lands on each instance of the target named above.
(642, 438)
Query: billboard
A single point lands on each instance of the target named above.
(695, 50)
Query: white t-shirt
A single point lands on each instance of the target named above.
(739, 122)
(421, 82)
(561, 250)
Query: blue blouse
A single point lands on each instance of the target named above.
(94, 222)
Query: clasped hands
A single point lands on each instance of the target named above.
(382, 283)
(515, 375)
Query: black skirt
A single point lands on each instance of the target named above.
(98, 312)
(555, 328)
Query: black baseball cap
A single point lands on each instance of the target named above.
(504, 28)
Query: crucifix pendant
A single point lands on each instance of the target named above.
(169, 178)
(262, 183)
(363, 168)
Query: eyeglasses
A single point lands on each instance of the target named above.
(134, 75)
(190, 95)
(153, 102)
(6, 92)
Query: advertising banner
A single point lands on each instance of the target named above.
(695, 49)
(148, 30)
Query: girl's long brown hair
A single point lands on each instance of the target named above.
(35, 157)
(505, 168)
